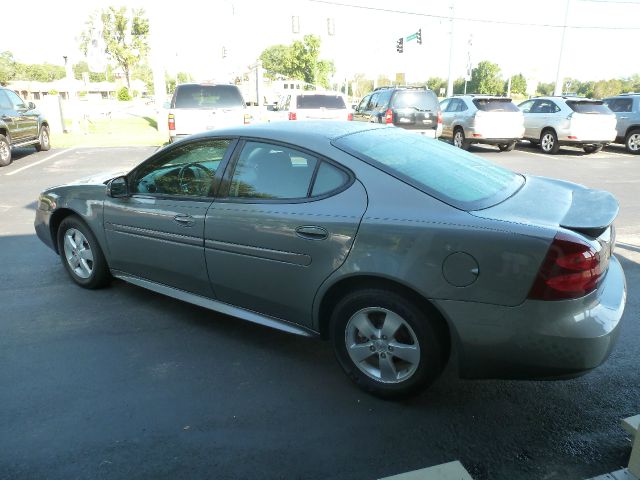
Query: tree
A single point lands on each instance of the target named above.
(299, 61)
(519, 84)
(125, 37)
(545, 89)
(44, 72)
(83, 67)
(458, 86)
(7, 67)
(436, 83)
(485, 79)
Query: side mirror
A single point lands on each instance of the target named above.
(32, 106)
(118, 187)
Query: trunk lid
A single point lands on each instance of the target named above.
(555, 203)
(413, 117)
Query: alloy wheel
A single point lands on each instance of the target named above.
(547, 142)
(634, 142)
(458, 138)
(382, 345)
(78, 253)
(5, 152)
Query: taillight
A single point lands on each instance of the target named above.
(388, 116)
(350, 117)
(293, 116)
(439, 118)
(247, 119)
(571, 269)
(172, 122)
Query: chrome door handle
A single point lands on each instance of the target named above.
(312, 232)
(184, 219)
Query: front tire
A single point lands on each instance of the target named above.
(549, 142)
(44, 140)
(507, 147)
(385, 343)
(5, 151)
(81, 254)
(632, 142)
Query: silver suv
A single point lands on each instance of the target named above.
(468, 119)
(196, 107)
(626, 107)
(576, 121)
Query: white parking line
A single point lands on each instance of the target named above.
(625, 155)
(538, 154)
(39, 162)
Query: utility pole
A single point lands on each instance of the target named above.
(450, 81)
(558, 88)
(467, 76)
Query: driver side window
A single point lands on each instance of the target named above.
(186, 171)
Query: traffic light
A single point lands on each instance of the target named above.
(224, 52)
(419, 36)
(400, 45)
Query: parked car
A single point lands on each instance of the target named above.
(626, 108)
(197, 107)
(468, 119)
(580, 122)
(398, 248)
(21, 125)
(412, 108)
(312, 105)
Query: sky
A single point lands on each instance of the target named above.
(189, 35)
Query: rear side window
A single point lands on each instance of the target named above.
(495, 104)
(619, 104)
(424, 100)
(330, 102)
(588, 107)
(5, 104)
(456, 177)
(328, 178)
(208, 96)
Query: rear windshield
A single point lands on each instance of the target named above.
(331, 102)
(588, 107)
(456, 177)
(207, 96)
(495, 105)
(424, 100)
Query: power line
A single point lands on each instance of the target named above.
(478, 20)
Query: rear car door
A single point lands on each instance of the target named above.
(284, 221)
(156, 233)
(622, 107)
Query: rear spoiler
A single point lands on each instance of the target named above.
(591, 212)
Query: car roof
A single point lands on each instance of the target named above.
(300, 133)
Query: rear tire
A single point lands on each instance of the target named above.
(549, 142)
(385, 343)
(507, 147)
(5, 151)
(81, 254)
(459, 139)
(593, 148)
(632, 142)
(44, 141)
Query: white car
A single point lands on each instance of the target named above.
(312, 105)
(554, 121)
(197, 107)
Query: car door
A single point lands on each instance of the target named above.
(8, 115)
(540, 116)
(156, 233)
(449, 116)
(622, 107)
(285, 220)
(18, 113)
(360, 111)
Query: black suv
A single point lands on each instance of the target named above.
(21, 125)
(413, 108)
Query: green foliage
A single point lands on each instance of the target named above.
(436, 83)
(458, 86)
(39, 72)
(360, 85)
(123, 94)
(125, 36)
(383, 81)
(545, 88)
(485, 79)
(53, 92)
(298, 61)
(183, 77)
(7, 67)
(83, 67)
(143, 71)
(519, 84)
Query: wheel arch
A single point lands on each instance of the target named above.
(5, 131)
(56, 219)
(631, 129)
(546, 129)
(349, 284)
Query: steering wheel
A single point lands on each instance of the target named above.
(185, 180)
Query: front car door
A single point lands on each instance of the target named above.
(22, 128)
(359, 112)
(284, 220)
(156, 233)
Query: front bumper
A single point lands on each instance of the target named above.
(539, 339)
(42, 224)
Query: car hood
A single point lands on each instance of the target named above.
(556, 203)
(98, 178)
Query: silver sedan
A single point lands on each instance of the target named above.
(402, 250)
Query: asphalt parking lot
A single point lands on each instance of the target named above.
(126, 383)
